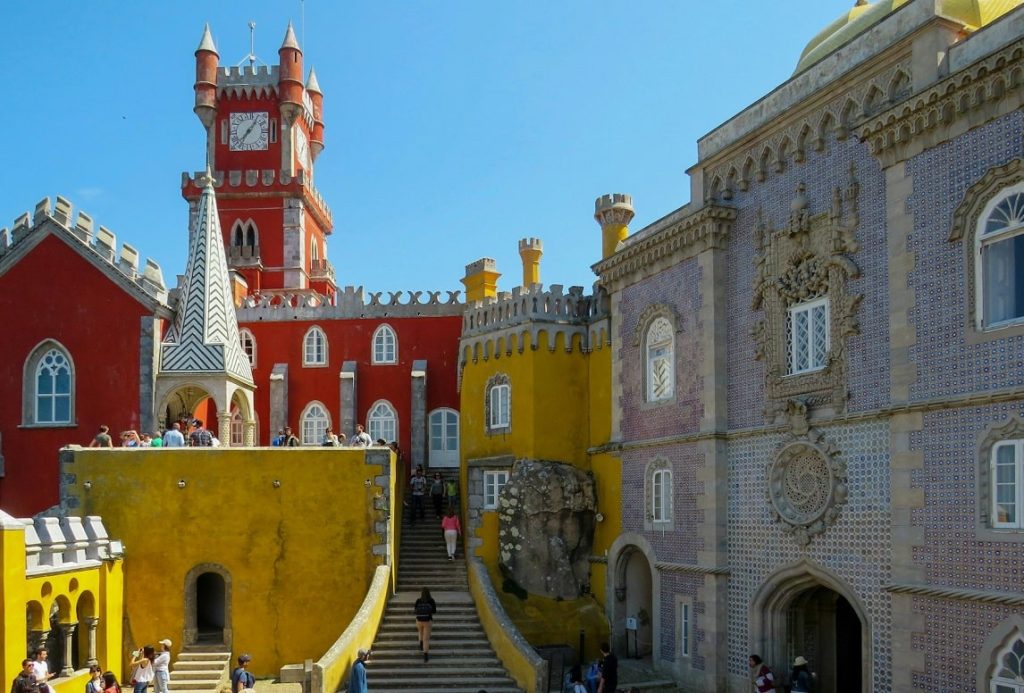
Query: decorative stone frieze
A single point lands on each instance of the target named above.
(807, 484)
(810, 257)
(656, 249)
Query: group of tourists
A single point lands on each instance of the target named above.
(189, 433)
(801, 679)
(148, 667)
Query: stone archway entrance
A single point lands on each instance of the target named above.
(807, 612)
(633, 601)
(208, 605)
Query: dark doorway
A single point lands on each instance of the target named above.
(848, 654)
(210, 608)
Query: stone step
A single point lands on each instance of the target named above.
(187, 656)
(399, 658)
(454, 688)
(195, 675)
(199, 665)
(207, 685)
(421, 682)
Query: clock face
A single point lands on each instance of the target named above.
(249, 131)
(302, 147)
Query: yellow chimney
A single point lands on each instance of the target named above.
(481, 280)
(530, 250)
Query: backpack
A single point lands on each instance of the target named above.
(424, 609)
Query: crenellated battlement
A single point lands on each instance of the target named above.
(246, 180)
(242, 79)
(349, 303)
(483, 264)
(615, 208)
(530, 244)
(100, 241)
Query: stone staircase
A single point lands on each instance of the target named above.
(461, 658)
(201, 669)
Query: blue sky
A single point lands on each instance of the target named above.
(453, 128)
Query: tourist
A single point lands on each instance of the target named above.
(290, 440)
(41, 670)
(174, 438)
(425, 608)
(451, 493)
(418, 486)
(800, 679)
(145, 441)
(161, 668)
(110, 684)
(200, 437)
(278, 440)
(575, 682)
(130, 439)
(241, 678)
(25, 681)
(761, 676)
(331, 440)
(609, 681)
(95, 682)
(452, 530)
(142, 674)
(361, 439)
(102, 439)
(156, 441)
(437, 494)
(357, 681)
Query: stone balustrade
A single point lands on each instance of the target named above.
(57, 544)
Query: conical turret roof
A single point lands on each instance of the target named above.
(206, 43)
(289, 39)
(312, 84)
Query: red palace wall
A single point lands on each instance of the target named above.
(54, 293)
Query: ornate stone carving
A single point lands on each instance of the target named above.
(810, 257)
(648, 315)
(807, 483)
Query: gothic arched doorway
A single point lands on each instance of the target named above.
(633, 604)
(804, 611)
(208, 605)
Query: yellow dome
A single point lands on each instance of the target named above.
(974, 14)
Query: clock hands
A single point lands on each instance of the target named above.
(245, 134)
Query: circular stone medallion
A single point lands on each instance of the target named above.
(801, 485)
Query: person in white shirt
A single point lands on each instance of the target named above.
(361, 439)
(161, 667)
(41, 670)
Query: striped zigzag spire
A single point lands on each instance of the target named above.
(204, 336)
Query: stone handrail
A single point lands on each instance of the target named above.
(528, 668)
(533, 304)
(330, 670)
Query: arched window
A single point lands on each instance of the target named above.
(498, 404)
(237, 429)
(48, 394)
(660, 346)
(248, 342)
(314, 423)
(244, 233)
(999, 260)
(1009, 673)
(382, 422)
(314, 351)
(314, 251)
(444, 438)
(385, 345)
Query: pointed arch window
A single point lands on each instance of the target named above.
(999, 261)
(1009, 673)
(660, 348)
(248, 342)
(385, 345)
(314, 350)
(382, 422)
(314, 423)
(48, 396)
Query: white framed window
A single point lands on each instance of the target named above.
(444, 438)
(807, 333)
(314, 423)
(661, 496)
(237, 428)
(48, 391)
(248, 342)
(499, 410)
(314, 347)
(660, 347)
(494, 481)
(999, 260)
(1009, 673)
(385, 345)
(684, 629)
(1007, 484)
(382, 422)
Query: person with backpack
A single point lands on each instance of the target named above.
(761, 675)
(241, 678)
(425, 608)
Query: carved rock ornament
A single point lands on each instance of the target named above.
(809, 258)
(807, 482)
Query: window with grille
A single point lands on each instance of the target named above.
(660, 365)
(807, 332)
(1000, 262)
(385, 345)
(494, 481)
(1007, 485)
(1009, 674)
(314, 351)
(53, 384)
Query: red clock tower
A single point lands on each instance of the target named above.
(264, 131)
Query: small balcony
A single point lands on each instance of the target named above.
(244, 256)
(321, 270)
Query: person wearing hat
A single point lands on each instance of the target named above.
(801, 677)
(241, 678)
(357, 681)
(162, 668)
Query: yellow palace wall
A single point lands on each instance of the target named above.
(292, 528)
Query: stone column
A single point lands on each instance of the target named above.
(418, 415)
(347, 395)
(278, 398)
(37, 639)
(224, 427)
(149, 359)
(67, 633)
(91, 623)
(249, 438)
